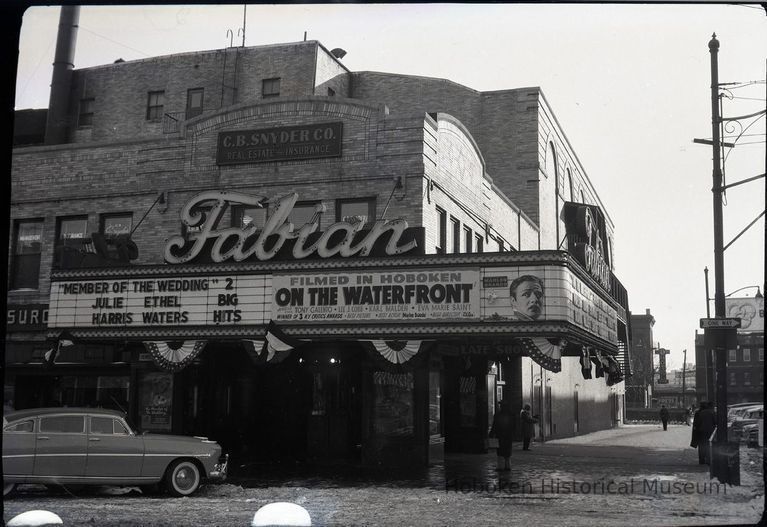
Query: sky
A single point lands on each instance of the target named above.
(629, 84)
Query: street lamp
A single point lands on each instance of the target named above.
(757, 295)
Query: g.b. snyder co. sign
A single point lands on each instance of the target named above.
(280, 238)
(279, 144)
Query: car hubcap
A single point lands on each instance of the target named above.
(184, 479)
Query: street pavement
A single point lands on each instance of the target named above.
(624, 476)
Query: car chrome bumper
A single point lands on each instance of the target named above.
(220, 468)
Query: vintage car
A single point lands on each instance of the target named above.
(90, 446)
(751, 415)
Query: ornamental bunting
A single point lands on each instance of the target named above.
(174, 356)
(397, 351)
(64, 340)
(260, 353)
(546, 352)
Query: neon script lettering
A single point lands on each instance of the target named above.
(241, 243)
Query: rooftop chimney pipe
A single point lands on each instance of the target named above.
(63, 64)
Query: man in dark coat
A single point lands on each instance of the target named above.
(664, 416)
(528, 426)
(503, 430)
(703, 425)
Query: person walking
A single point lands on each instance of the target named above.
(664, 416)
(528, 426)
(503, 430)
(703, 425)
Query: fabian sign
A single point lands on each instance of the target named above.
(280, 237)
(288, 143)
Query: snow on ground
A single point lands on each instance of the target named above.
(632, 475)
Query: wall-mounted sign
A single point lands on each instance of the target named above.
(287, 143)
(587, 240)
(26, 317)
(409, 295)
(280, 238)
(750, 311)
(377, 296)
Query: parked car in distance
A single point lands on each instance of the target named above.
(750, 415)
(93, 446)
(737, 410)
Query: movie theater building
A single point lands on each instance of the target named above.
(303, 262)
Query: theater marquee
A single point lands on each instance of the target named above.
(477, 296)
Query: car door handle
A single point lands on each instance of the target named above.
(41, 438)
(94, 439)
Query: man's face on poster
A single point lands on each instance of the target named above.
(528, 299)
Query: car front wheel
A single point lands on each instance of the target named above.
(182, 478)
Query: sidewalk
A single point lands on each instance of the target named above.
(622, 477)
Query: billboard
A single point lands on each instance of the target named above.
(750, 311)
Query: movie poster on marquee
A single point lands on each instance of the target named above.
(376, 296)
(545, 292)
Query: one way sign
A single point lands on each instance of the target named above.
(719, 323)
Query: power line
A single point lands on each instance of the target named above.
(115, 42)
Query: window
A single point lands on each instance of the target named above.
(733, 356)
(352, 211)
(270, 87)
(112, 225)
(441, 231)
(70, 232)
(761, 354)
(85, 118)
(456, 234)
(331, 92)
(155, 104)
(733, 379)
(23, 426)
(120, 428)
(194, 99)
(244, 216)
(747, 378)
(479, 242)
(27, 244)
(746, 354)
(107, 426)
(302, 214)
(101, 425)
(468, 238)
(65, 424)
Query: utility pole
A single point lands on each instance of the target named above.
(718, 337)
(684, 380)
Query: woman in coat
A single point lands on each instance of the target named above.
(503, 429)
(528, 426)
